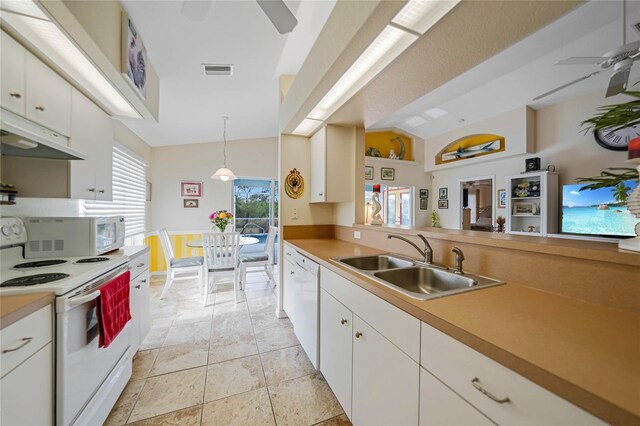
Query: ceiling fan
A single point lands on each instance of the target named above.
(276, 10)
(620, 60)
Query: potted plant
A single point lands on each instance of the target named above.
(500, 220)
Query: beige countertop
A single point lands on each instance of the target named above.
(132, 251)
(586, 353)
(14, 308)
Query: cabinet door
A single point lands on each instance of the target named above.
(385, 380)
(336, 345)
(144, 308)
(439, 405)
(48, 96)
(92, 134)
(26, 394)
(12, 75)
(318, 166)
(288, 289)
(135, 297)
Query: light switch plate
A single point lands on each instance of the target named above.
(294, 213)
(356, 235)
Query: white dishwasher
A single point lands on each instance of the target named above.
(301, 302)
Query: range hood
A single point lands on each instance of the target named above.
(20, 137)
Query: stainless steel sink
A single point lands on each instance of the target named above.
(376, 263)
(415, 279)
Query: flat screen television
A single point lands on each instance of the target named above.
(597, 212)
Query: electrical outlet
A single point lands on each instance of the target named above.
(294, 213)
(356, 235)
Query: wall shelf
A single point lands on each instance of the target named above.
(388, 161)
(7, 203)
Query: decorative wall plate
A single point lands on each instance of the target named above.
(294, 184)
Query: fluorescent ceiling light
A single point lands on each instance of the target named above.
(389, 44)
(54, 44)
(307, 127)
(436, 112)
(416, 121)
(420, 15)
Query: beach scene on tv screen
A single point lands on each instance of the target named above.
(598, 212)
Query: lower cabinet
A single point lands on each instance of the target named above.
(139, 304)
(385, 380)
(374, 381)
(440, 406)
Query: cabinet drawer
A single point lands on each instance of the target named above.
(463, 370)
(289, 252)
(24, 338)
(138, 265)
(399, 327)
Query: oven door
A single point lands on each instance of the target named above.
(82, 368)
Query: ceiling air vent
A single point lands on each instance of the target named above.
(210, 69)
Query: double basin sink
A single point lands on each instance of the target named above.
(415, 279)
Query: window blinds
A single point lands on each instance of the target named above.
(129, 193)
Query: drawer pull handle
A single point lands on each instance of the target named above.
(15, 95)
(143, 281)
(358, 334)
(137, 286)
(101, 191)
(343, 321)
(25, 342)
(140, 265)
(40, 108)
(91, 190)
(475, 384)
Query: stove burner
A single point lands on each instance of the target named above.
(93, 260)
(33, 280)
(39, 263)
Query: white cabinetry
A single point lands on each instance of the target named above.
(440, 406)
(532, 203)
(382, 375)
(92, 134)
(500, 394)
(48, 99)
(139, 299)
(332, 159)
(26, 386)
(12, 86)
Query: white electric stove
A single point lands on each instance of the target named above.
(89, 379)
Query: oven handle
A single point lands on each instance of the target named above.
(64, 304)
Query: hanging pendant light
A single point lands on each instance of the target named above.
(223, 173)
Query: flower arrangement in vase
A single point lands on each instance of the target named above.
(221, 219)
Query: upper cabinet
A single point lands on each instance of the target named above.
(12, 84)
(92, 134)
(32, 89)
(48, 99)
(332, 164)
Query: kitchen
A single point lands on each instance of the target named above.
(314, 228)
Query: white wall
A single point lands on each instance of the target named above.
(170, 165)
(559, 141)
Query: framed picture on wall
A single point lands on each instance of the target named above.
(368, 173)
(387, 173)
(443, 204)
(134, 57)
(424, 203)
(424, 193)
(443, 193)
(190, 189)
(502, 198)
(190, 203)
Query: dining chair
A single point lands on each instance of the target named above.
(178, 266)
(220, 259)
(263, 259)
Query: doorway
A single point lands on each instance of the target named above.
(477, 203)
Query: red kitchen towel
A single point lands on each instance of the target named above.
(113, 309)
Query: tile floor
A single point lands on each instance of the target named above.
(224, 364)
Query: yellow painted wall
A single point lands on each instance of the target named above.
(179, 243)
(382, 141)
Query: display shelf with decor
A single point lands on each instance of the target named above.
(532, 203)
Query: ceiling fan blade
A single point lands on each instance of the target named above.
(279, 15)
(595, 60)
(618, 82)
(566, 85)
(196, 10)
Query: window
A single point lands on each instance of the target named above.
(129, 194)
(397, 202)
(255, 203)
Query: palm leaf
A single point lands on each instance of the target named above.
(608, 177)
(615, 117)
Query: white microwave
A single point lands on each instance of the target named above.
(72, 236)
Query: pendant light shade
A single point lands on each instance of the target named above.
(223, 173)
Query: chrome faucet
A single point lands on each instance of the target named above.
(459, 259)
(427, 252)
